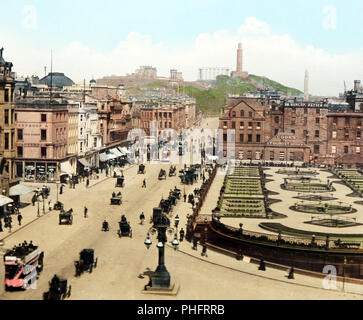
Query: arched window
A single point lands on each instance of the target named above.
(242, 113)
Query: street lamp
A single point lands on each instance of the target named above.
(161, 225)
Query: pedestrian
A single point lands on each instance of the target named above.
(262, 266)
(50, 205)
(144, 183)
(20, 217)
(85, 211)
(291, 274)
(61, 189)
(9, 225)
(182, 234)
(87, 183)
(204, 251)
(185, 197)
(195, 243)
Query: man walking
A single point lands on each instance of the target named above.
(182, 234)
(144, 183)
(20, 217)
(50, 205)
(87, 183)
(185, 197)
(85, 211)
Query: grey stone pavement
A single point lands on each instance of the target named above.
(122, 261)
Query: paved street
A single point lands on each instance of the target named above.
(121, 261)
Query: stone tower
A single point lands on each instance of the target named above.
(239, 58)
(306, 86)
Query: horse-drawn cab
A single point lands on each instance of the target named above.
(58, 289)
(58, 206)
(120, 183)
(162, 174)
(116, 199)
(172, 171)
(166, 205)
(176, 193)
(66, 217)
(125, 228)
(86, 262)
(141, 169)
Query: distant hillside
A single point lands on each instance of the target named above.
(211, 101)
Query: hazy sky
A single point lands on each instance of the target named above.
(96, 38)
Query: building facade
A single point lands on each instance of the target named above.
(7, 126)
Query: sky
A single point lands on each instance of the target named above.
(281, 39)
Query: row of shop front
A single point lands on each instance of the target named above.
(51, 171)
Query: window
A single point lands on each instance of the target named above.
(81, 147)
(233, 114)
(44, 118)
(249, 155)
(293, 131)
(6, 141)
(250, 138)
(258, 155)
(317, 133)
(334, 149)
(334, 134)
(306, 132)
(258, 127)
(359, 122)
(292, 156)
(293, 121)
(43, 152)
(224, 137)
(357, 150)
(282, 156)
(272, 155)
(346, 149)
(359, 134)
(250, 114)
(250, 125)
(233, 125)
(258, 138)
(242, 125)
(81, 131)
(316, 148)
(335, 121)
(346, 133)
(276, 132)
(43, 134)
(7, 96)
(347, 121)
(95, 142)
(20, 134)
(6, 116)
(242, 113)
(241, 138)
(277, 119)
(225, 124)
(305, 121)
(305, 111)
(20, 152)
(317, 120)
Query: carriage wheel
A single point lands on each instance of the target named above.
(130, 233)
(95, 265)
(69, 291)
(91, 268)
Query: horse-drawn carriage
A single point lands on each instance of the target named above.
(166, 205)
(125, 228)
(141, 169)
(58, 206)
(188, 176)
(120, 183)
(176, 193)
(172, 171)
(58, 290)
(116, 199)
(86, 262)
(162, 174)
(66, 217)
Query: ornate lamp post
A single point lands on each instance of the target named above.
(161, 225)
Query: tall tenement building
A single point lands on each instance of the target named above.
(7, 125)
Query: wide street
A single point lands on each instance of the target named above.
(122, 260)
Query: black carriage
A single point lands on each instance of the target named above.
(166, 205)
(86, 262)
(162, 174)
(172, 171)
(120, 183)
(58, 206)
(176, 193)
(58, 290)
(125, 228)
(66, 217)
(141, 169)
(116, 200)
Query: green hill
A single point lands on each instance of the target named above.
(263, 81)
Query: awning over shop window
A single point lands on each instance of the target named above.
(66, 168)
(5, 200)
(19, 190)
(84, 162)
(116, 152)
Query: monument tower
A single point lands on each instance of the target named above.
(306, 86)
(239, 73)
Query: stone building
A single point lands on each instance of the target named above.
(7, 126)
(42, 139)
(167, 116)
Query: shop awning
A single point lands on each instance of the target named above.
(116, 152)
(66, 168)
(103, 157)
(124, 151)
(5, 200)
(19, 190)
(84, 162)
